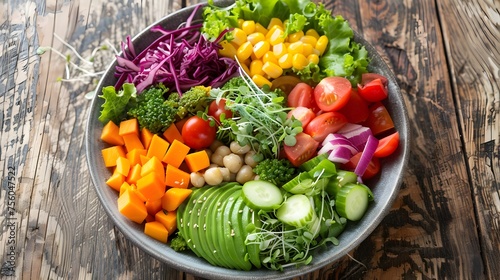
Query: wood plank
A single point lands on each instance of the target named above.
(424, 234)
(474, 58)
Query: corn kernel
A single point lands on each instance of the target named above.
(321, 44)
(256, 37)
(307, 49)
(275, 36)
(228, 50)
(256, 67)
(244, 51)
(240, 22)
(313, 58)
(269, 56)
(279, 50)
(299, 61)
(294, 37)
(248, 26)
(239, 37)
(273, 22)
(272, 69)
(316, 52)
(245, 68)
(312, 32)
(260, 28)
(285, 61)
(260, 81)
(308, 39)
(296, 47)
(261, 48)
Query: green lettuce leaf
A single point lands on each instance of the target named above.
(116, 103)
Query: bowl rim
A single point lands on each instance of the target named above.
(185, 261)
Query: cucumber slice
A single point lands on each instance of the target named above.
(262, 195)
(310, 164)
(343, 177)
(296, 211)
(325, 169)
(302, 183)
(352, 201)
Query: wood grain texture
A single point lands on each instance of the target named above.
(444, 224)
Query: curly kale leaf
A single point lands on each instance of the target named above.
(116, 103)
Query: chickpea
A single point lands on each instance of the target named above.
(245, 174)
(213, 176)
(233, 162)
(219, 154)
(209, 152)
(226, 175)
(237, 149)
(216, 144)
(222, 150)
(197, 179)
(249, 158)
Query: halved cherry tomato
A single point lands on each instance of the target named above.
(379, 120)
(356, 109)
(372, 169)
(300, 96)
(373, 91)
(302, 151)
(368, 77)
(303, 114)
(286, 83)
(197, 133)
(332, 93)
(215, 110)
(387, 145)
(324, 124)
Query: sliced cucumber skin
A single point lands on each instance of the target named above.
(325, 167)
(310, 164)
(253, 192)
(301, 184)
(352, 202)
(296, 211)
(240, 233)
(343, 177)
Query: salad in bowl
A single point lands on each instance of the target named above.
(256, 139)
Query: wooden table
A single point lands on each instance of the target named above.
(444, 224)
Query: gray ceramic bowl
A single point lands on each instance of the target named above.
(385, 187)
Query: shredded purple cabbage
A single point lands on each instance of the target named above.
(180, 59)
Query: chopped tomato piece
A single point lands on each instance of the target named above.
(300, 96)
(302, 151)
(356, 109)
(368, 77)
(372, 169)
(324, 124)
(379, 120)
(387, 145)
(303, 114)
(373, 91)
(332, 93)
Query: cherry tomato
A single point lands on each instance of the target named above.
(387, 145)
(197, 133)
(368, 77)
(300, 96)
(379, 120)
(324, 124)
(373, 91)
(356, 109)
(372, 169)
(302, 151)
(286, 83)
(216, 109)
(332, 93)
(303, 114)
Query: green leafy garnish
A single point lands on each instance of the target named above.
(115, 104)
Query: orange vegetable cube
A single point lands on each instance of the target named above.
(125, 186)
(132, 142)
(150, 218)
(176, 178)
(154, 165)
(134, 174)
(172, 133)
(115, 181)
(130, 126)
(143, 159)
(197, 161)
(132, 207)
(174, 197)
(156, 230)
(150, 186)
(111, 154)
(176, 153)
(122, 166)
(146, 137)
(153, 206)
(139, 195)
(134, 156)
(168, 219)
(180, 124)
(158, 147)
(110, 134)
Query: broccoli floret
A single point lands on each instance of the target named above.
(178, 243)
(153, 111)
(276, 171)
(194, 100)
(234, 83)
